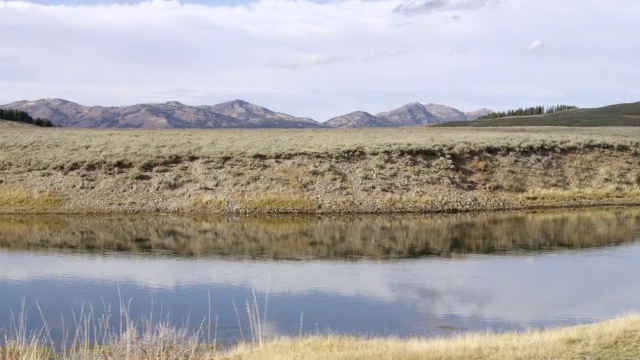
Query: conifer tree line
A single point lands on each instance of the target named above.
(530, 111)
(23, 117)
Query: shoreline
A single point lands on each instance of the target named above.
(614, 338)
(617, 338)
(536, 207)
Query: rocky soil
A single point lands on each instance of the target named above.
(332, 183)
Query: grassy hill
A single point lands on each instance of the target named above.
(612, 115)
(12, 124)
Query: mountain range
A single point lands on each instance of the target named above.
(232, 114)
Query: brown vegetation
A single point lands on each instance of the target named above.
(613, 339)
(410, 169)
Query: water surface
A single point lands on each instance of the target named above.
(373, 275)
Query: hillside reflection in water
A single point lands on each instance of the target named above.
(373, 275)
(333, 237)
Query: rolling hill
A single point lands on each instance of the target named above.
(4, 124)
(612, 115)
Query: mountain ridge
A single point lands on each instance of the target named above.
(231, 114)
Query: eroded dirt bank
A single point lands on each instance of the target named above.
(357, 181)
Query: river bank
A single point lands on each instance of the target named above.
(383, 170)
(612, 339)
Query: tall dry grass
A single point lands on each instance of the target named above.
(93, 335)
(94, 338)
(613, 339)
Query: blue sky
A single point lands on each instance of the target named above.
(322, 59)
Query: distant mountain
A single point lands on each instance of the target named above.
(612, 115)
(445, 113)
(472, 115)
(410, 114)
(357, 119)
(259, 116)
(232, 114)
(166, 115)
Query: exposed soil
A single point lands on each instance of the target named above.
(353, 183)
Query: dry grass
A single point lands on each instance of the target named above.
(613, 339)
(38, 148)
(591, 193)
(23, 199)
(4, 124)
(93, 337)
(277, 202)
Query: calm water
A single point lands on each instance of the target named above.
(374, 275)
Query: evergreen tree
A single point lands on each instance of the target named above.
(530, 111)
(23, 117)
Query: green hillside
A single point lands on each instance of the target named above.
(612, 115)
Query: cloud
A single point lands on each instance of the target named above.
(305, 61)
(432, 6)
(388, 53)
(8, 59)
(453, 18)
(118, 54)
(535, 45)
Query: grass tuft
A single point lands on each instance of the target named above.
(16, 198)
(600, 193)
(278, 202)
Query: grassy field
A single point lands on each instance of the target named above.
(613, 115)
(38, 149)
(414, 169)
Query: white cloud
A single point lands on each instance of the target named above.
(431, 6)
(115, 54)
(305, 61)
(388, 53)
(535, 45)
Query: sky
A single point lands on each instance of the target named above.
(325, 58)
